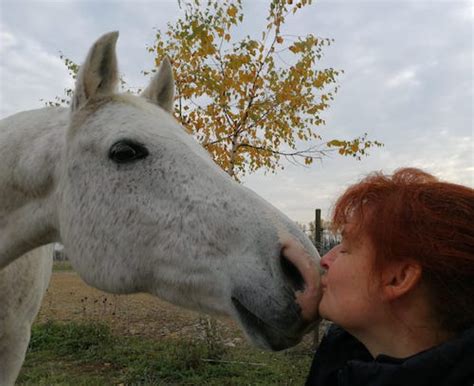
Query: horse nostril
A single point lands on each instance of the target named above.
(292, 273)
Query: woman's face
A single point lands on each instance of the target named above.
(350, 296)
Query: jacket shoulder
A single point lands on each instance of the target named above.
(336, 349)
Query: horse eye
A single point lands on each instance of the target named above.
(126, 151)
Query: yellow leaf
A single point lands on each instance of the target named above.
(336, 143)
(279, 39)
(232, 11)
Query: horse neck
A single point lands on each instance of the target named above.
(31, 146)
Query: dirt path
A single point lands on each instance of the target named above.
(70, 299)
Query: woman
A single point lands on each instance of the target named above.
(400, 286)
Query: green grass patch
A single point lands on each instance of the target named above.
(62, 266)
(88, 354)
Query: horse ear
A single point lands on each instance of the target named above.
(161, 88)
(98, 76)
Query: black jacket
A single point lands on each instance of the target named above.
(341, 360)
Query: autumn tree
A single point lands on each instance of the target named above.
(254, 101)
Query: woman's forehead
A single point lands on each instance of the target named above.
(354, 235)
(349, 230)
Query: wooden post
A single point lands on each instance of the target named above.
(318, 235)
(318, 230)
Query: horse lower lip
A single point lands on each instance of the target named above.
(247, 315)
(275, 338)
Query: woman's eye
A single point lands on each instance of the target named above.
(343, 248)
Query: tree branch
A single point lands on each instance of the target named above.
(312, 152)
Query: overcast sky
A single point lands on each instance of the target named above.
(408, 79)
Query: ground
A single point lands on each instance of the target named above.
(69, 299)
(141, 340)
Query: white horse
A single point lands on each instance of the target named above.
(140, 207)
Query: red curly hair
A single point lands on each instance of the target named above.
(412, 215)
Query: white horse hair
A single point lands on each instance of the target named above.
(140, 207)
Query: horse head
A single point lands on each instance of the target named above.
(143, 208)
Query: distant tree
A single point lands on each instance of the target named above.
(312, 231)
(250, 102)
(302, 227)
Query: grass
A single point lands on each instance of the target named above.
(62, 266)
(89, 354)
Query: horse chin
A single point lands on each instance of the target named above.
(261, 333)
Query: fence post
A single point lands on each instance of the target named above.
(318, 230)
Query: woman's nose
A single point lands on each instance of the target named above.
(328, 258)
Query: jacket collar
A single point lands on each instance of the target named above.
(449, 359)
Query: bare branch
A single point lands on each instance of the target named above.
(313, 152)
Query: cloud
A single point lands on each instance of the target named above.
(405, 77)
(8, 41)
(34, 32)
(407, 81)
(298, 191)
(28, 73)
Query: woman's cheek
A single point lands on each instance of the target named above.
(327, 302)
(323, 309)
